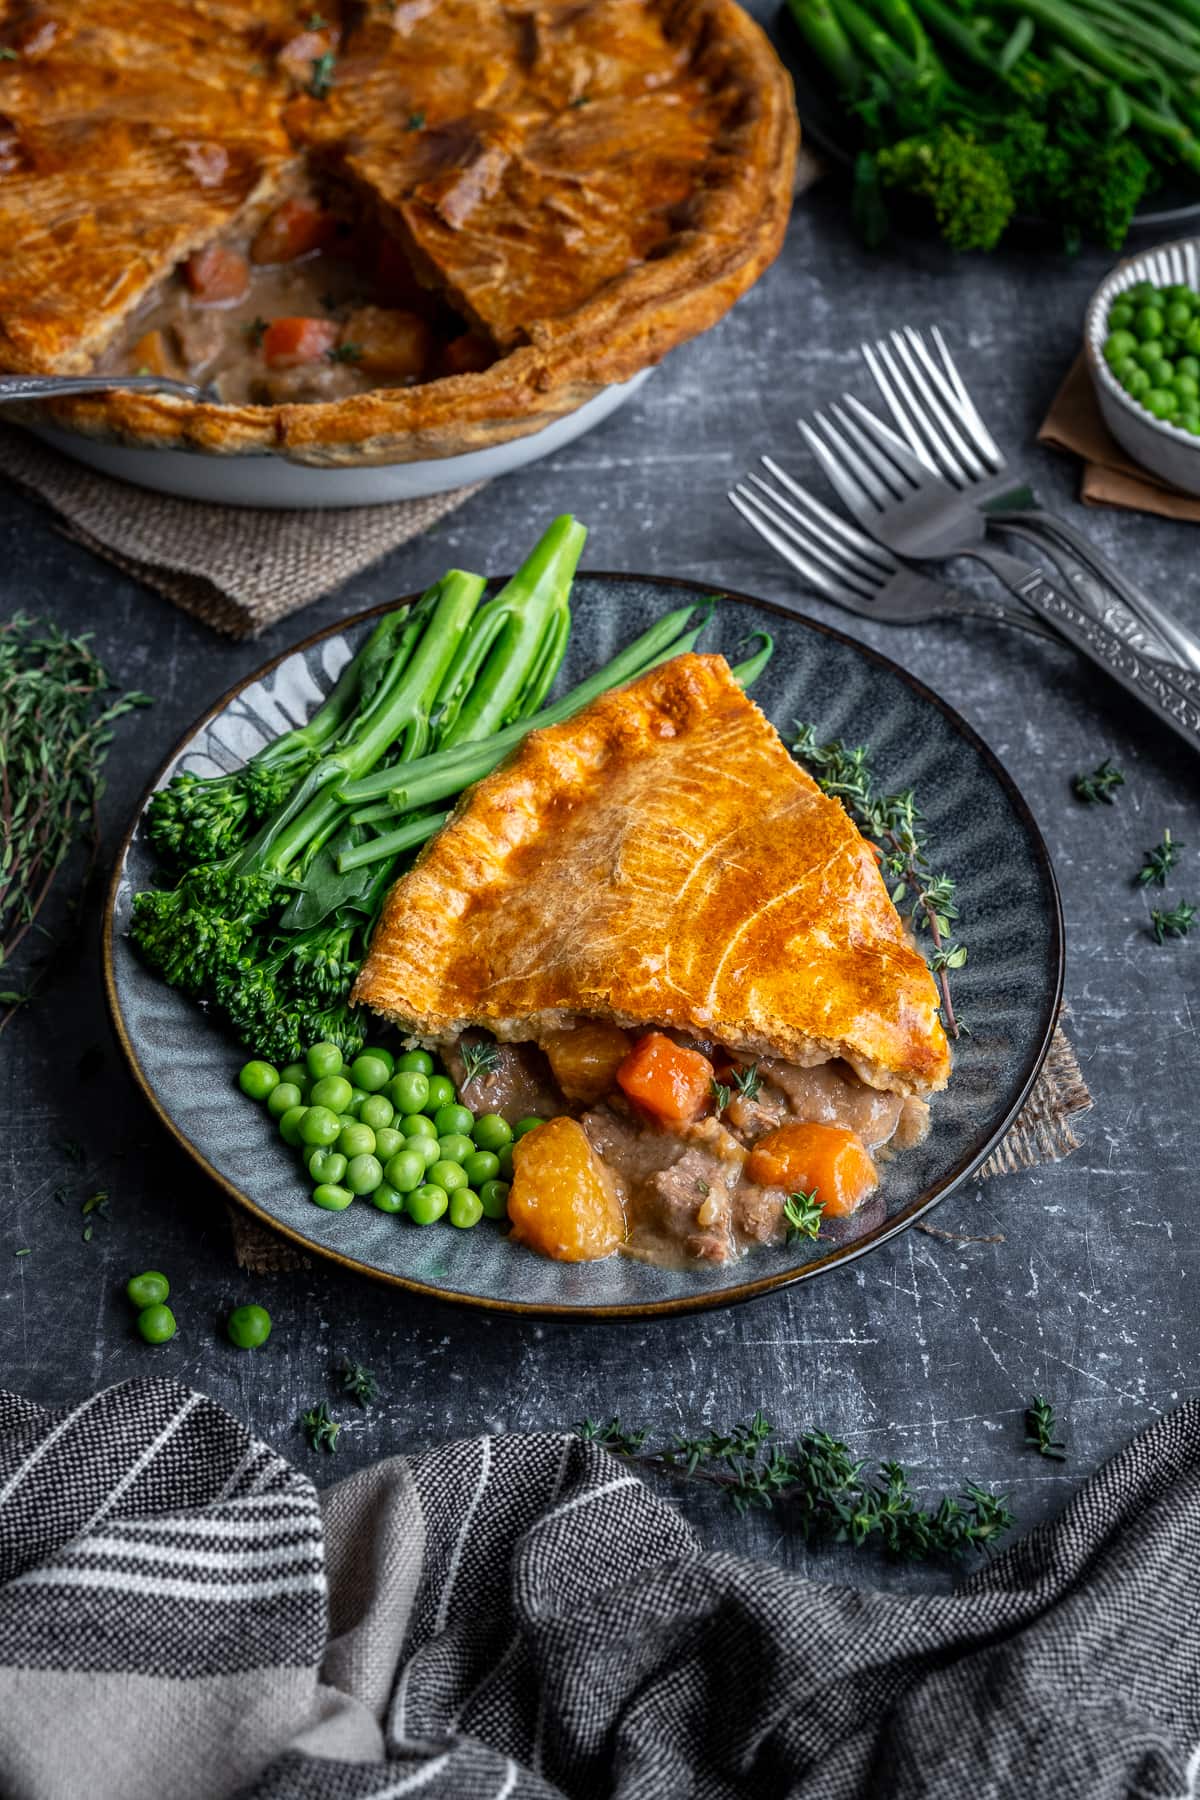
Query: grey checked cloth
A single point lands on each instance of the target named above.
(518, 1618)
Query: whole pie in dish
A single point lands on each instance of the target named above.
(651, 929)
(380, 232)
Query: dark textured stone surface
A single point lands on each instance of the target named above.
(927, 1350)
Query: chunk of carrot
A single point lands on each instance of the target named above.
(289, 342)
(295, 229)
(217, 275)
(805, 1155)
(671, 1084)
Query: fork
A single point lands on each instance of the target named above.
(917, 514)
(852, 570)
(52, 387)
(934, 412)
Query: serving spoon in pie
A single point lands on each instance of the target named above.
(15, 388)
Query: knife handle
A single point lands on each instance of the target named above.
(1167, 693)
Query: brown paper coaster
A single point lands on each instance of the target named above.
(237, 568)
(1110, 477)
(1042, 1133)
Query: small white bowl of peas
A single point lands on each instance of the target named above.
(1142, 343)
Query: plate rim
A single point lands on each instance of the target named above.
(626, 1312)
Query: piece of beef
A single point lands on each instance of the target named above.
(831, 1094)
(519, 1087)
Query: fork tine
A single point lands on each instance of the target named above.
(967, 411)
(743, 502)
(842, 561)
(854, 498)
(937, 455)
(879, 442)
(837, 527)
(932, 388)
(873, 357)
(865, 472)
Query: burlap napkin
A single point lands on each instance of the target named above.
(1043, 1132)
(1110, 477)
(238, 568)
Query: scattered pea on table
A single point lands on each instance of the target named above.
(248, 1326)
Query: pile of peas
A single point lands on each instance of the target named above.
(1153, 349)
(391, 1130)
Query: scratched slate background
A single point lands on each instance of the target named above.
(927, 1350)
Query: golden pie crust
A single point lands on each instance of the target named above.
(660, 859)
(590, 182)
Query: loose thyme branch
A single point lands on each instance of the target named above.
(827, 1493)
(891, 822)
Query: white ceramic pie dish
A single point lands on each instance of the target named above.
(273, 481)
(1166, 450)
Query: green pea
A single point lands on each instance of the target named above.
(1186, 386)
(248, 1326)
(450, 1119)
(1192, 424)
(448, 1175)
(491, 1132)
(524, 1126)
(1118, 344)
(454, 1146)
(493, 1197)
(377, 1111)
(149, 1289)
(408, 1091)
(1147, 354)
(1137, 383)
(427, 1204)
(319, 1126)
(1170, 346)
(1179, 317)
(1120, 315)
(385, 1056)
(405, 1171)
(283, 1095)
(418, 1125)
(332, 1197)
(370, 1071)
(1159, 401)
(357, 1096)
(297, 1072)
(441, 1092)
(480, 1166)
(1147, 323)
(326, 1165)
(356, 1140)
(1188, 365)
(1162, 374)
(388, 1142)
(1191, 338)
(416, 1059)
(257, 1079)
(505, 1157)
(289, 1125)
(387, 1198)
(324, 1059)
(1139, 292)
(465, 1209)
(363, 1174)
(156, 1324)
(333, 1091)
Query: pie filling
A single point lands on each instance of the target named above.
(313, 305)
(682, 1152)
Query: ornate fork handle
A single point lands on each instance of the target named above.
(1168, 693)
(51, 387)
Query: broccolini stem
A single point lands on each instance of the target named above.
(818, 25)
(392, 843)
(1146, 118)
(1062, 22)
(898, 68)
(955, 31)
(1171, 50)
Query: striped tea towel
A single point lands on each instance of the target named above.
(518, 1618)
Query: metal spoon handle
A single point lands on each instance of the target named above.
(51, 387)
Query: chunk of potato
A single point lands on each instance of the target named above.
(585, 1058)
(563, 1201)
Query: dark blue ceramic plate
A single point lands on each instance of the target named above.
(1008, 993)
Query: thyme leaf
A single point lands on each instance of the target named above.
(802, 1215)
(721, 1093)
(345, 353)
(1159, 861)
(479, 1059)
(320, 1430)
(323, 70)
(1099, 785)
(1176, 923)
(748, 1082)
(94, 1207)
(358, 1382)
(826, 1493)
(415, 121)
(892, 825)
(256, 331)
(1040, 1426)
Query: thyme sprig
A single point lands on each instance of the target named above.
(345, 353)
(827, 1494)
(1159, 861)
(323, 70)
(1040, 1426)
(1175, 923)
(55, 731)
(722, 1094)
(479, 1059)
(748, 1081)
(1099, 785)
(802, 1214)
(892, 823)
(358, 1382)
(320, 1430)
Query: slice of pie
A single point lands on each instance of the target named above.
(667, 931)
(382, 233)
(661, 860)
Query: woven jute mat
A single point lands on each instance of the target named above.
(1043, 1132)
(238, 568)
